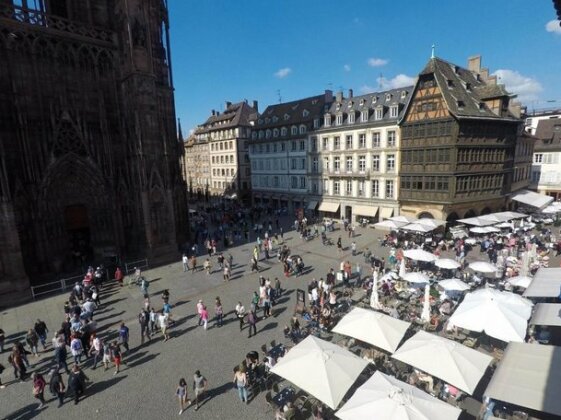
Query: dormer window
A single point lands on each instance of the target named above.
(267, 120)
(374, 99)
(327, 120)
(388, 96)
(450, 83)
(393, 111)
(275, 119)
(403, 94)
(268, 134)
(316, 122)
(261, 134)
(259, 121)
(276, 132)
(351, 118)
(305, 113)
(361, 102)
(339, 120)
(379, 113)
(286, 117)
(482, 106)
(461, 104)
(350, 104)
(284, 131)
(338, 106)
(293, 130)
(364, 116)
(302, 129)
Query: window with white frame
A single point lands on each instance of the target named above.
(293, 130)
(339, 119)
(284, 131)
(337, 164)
(538, 157)
(349, 164)
(316, 125)
(315, 165)
(379, 113)
(389, 189)
(294, 182)
(327, 120)
(336, 187)
(275, 132)
(302, 129)
(351, 118)
(314, 144)
(364, 116)
(362, 140)
(376, 139)
(362, 163)
(349, 142)
(390, 163)
(375, 188)
(391, 138)
(325, 186)
(336, 143)
(293, 164)
(324, 143)
(360, 186)
(303, 182)
(393, 111)
(303, 163)
(326, 164)
(302, 144)
(376, 163)
(349, 187)
(293, 146)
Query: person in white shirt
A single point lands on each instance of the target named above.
(89, 306)
(185, 263)
(163, 322)
(240, 313)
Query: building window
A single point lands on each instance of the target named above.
(376, 163)
(336, 187)
(326, 164)
(293, 146)
(302, 145)
(325, 143)
(339, 119)
(362, 164)
(538, 157)
(302, 129)
(276, 132)
(283, 131)
(361, 188)
(303, 182)
(376, 139)
(316, 125)
(315, 165)
(325, 186)
(314, 144)
(389, 189)
(349, 187)
(349, 142)
(375, 188)
(349, 164)
(364, 116)
(393, 112)
(351, 118)
(303, 163)
(379, 113)
(275, 181)
(283, 147)
(293, 164)
(294, 182)
(337, 143)
(314, 187)
(390, 163)
(294, 130)
(336, 164)
(327, 120)
(362, 141)
(391, 138)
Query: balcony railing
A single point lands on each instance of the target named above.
(39, 18)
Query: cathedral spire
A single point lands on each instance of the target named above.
(179, 130)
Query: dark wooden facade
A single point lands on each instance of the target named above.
(89, 157)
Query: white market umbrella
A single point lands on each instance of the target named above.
(502, 315)
(520, 281)
(374, 299)
(452, 362)
(372, 327)
(447, 264)
(483, 267)
(454, 284)
(403, 219)
(478, 229)
(425, 314)
(402, 270)
(505, 225)
(417, 227)
(392, 399)
(433, 223)
(419, 255)
(391, 224)
(416, 277)
(322, 369)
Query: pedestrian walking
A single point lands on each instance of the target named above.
(124, 336)
(207, 266)
(226, 271)
(56, 386)
(144, 321)
(32, 340)
(193, 263)
(117, 356)
(252, 321)
(41, 330)
(2, 369)
(204, 317)
(61, 354)
(200, 385)
(218, 312)
(163, 322)
(76, 349)
(39, 388)
(230, 261)
(119, 276)
(185, 261)
(240, 314)
(240, 382)
(339, 245)
(107, 355)
(77, 382)
(153, 320)
(16, 360)
(181, 393)
(353, 248)
(220, 260)
(96, 349)
(200, 306)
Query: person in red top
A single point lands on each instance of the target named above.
(38, 388)
(119, 276)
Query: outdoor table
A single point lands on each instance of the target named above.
(284, 396)
(276, 352)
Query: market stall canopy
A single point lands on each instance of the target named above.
(533, 199)
(528, 377)
(368, 211)
(404, 219)
(419, 255)
(312, 205)
(391, 224)
(376, 328)
(392, 399)
(386, 212)
(452, 362)
(322, 369)
(454, 284)
(546, 283)
(328, 207)
(447, 264)
(417, 227)
(416, 277)
(483, 267)
(492, 219)
(502, 315)
(433, 223)
(547, 314)
(520, 281)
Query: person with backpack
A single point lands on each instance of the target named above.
(57, 387)
(144, 320)
(117, 357)
(77, 382)
(76, 349)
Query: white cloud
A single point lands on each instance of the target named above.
(398, 81)
(347, 67)
(364, 89)
(377, 62)
(282, 73)
(525, 87)
(553, 26)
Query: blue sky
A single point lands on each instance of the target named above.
(226, 50)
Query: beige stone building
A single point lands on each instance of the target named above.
(197, 168)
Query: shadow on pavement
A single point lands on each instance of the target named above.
(28, 412)
(102, 385)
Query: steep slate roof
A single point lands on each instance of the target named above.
(292, 113)
(549, 135)
(370, 102)
(454, 81)
(235, 115)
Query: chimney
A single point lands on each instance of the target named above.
(484, 74)
(255, 106)
(474, 63)
(328, 96)
(228, 103)
(350, 93)
(492, 80)
(213, 112)
(339, 96)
